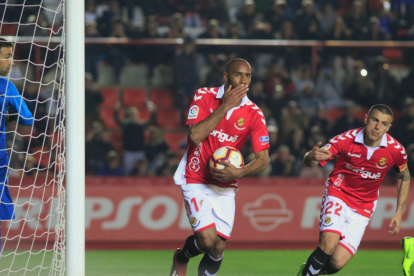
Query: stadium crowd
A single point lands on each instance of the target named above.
(135, 135)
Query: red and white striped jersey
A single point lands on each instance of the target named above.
(359, 169)
(233, 130)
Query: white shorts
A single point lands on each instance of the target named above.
(208, 206)
(338, 217)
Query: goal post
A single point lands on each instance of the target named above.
(75, 137)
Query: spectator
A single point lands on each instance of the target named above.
(93, 98)
(118, 30)
(385, 85)
(348, 120)
(373, 32)
(291, 119)
(109, 16)
(279, 14)
(90, 12)
(133, 134)
(358, 87)
(308, 102)
(328, 88)
(96, 148)
(233, 31)
(31, 166)
(306, 22)
(256, 94)
(321, 121)
(112, 165)
(36, 25)
(261, 30)
(217, 9)
(186, 72)
(150, 28)
(356, 19)
(156, 150)
(282, 162)
(247, 14)
(213, 30)
(327, 18)
(273, 139)
(278, 100)
(270, 120)
(169, 167)
(386, 19)
(290, 55)
(91, 29)
(339, 31)
(192, 17)
(407, 84)
(177, 26)
(296, 144)
(215, 76)
(278, 74)
(140, 168)
(303, 79)
(405, 125)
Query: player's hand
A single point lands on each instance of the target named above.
(396, 223)
(318, 154)
(232, 97)
(229, 172)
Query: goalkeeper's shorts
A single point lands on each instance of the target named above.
(6, 201)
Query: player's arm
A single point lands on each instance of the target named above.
(231, 98)
(403, 186)
(17, 105)
(230, 172)
(317, 154)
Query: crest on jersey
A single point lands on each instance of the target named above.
(327, 220)
(383, 161)
(193, 220)
(326, 147)
(240, 122)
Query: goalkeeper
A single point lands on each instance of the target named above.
(11, 100)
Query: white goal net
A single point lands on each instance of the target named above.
(33, 243)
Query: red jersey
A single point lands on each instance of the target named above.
(233, 130)
(359, 169)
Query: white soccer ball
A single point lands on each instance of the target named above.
(228, 154)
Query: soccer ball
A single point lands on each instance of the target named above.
(228, 154)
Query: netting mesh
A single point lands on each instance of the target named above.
(34, 242)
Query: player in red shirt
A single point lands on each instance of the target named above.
(364, 157)
(221, 116)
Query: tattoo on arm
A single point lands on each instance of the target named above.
(405, 176)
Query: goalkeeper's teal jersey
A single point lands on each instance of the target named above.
(10, 101)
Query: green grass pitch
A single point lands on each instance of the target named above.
(236, 262)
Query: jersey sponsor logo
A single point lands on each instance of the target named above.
(193, 113)
(224, 136)
(403, 167)
(327, 146)
(264, 139)
(382, 161)
(354, 155)
(364, 174)
(240, 122)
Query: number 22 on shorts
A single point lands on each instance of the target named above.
(337, 209)
(194, 202)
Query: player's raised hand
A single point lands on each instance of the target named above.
(232, 97)
(318, 154)
(396, 223)
(229, 172)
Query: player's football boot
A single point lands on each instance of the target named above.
(178, 269)
(407, 244)
(302, 266)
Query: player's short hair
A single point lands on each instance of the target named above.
(5, 43)
(228, 66)
(384, 109)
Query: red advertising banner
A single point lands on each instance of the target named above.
(271, 211)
